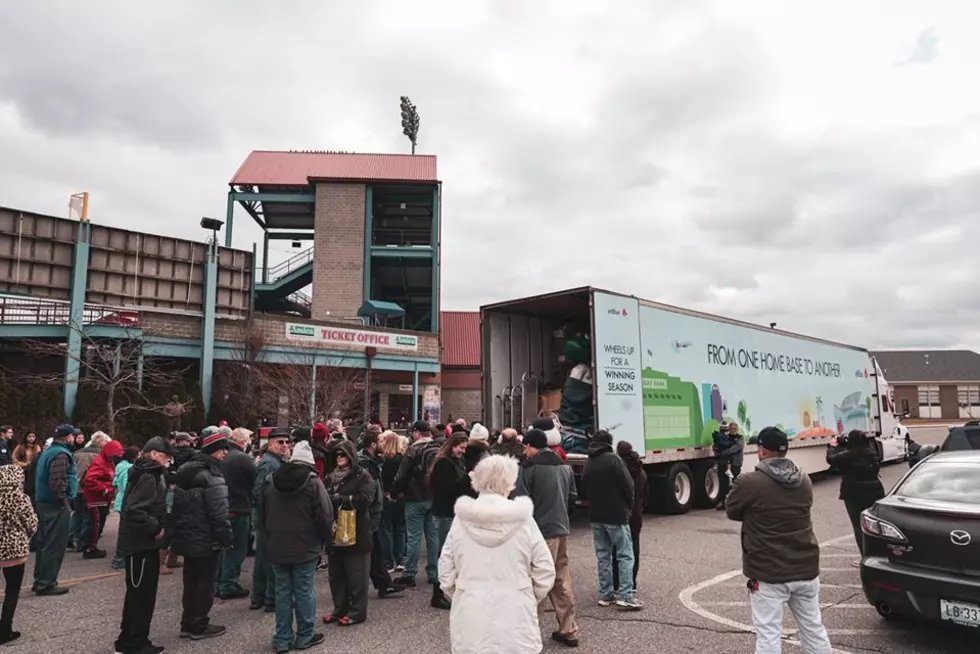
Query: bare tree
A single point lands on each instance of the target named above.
(116, 371)
(249, 387)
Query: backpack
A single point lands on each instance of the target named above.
(426, 459)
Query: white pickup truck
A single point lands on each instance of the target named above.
(664, 378)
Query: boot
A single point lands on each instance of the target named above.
(439, 599)
(173, 561)
(164, 569)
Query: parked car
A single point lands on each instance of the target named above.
(965, 437)
(922, 543)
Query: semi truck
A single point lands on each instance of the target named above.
(665, 379)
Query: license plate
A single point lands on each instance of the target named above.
(960, 613)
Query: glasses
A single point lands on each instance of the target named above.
(279, 442)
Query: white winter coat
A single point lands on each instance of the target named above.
(497, 567)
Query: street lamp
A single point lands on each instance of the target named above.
(213, 225)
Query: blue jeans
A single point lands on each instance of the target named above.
(418, 521)
(230, 565)
(393, 534)
(263, 576)
(607, 538)
(79, 530)
(295, 593)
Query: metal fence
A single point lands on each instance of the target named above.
(16, 310)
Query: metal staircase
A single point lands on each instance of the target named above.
(281, 293)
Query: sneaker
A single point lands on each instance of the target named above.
(255, 606)
(54, 590)
(567, 640)
(270, 608)
(407, 582)
(316, 640)
(322, 565)
(605, 602)
(94, 554)
(210, 631)
(399, 568)
(440, 601)
(185, 634)
(630, 604)
(152, 649)
(393, 590)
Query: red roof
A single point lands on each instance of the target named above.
(281, 168)
(459, 334)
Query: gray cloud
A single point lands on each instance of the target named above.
(926, 48)
(635, 150)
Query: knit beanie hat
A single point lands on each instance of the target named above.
(302, 454)
(301, 434)
(479, 433)
(215, 442)
(320, 433)
(536, 439)
(547, 425)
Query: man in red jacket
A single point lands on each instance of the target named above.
(99, 492)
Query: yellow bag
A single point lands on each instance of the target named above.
(345, 531)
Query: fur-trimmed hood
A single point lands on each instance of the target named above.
(491, 519)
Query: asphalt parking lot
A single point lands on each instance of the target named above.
(689, 578)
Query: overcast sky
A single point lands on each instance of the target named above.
(816, 164)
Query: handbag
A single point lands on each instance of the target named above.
(345, 531)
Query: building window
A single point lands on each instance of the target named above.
(968, 398)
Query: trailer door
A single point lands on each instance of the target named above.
(618, 385)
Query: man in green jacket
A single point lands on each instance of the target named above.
(780, 554)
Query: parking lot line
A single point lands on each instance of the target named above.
(823, 605)
(687, 599)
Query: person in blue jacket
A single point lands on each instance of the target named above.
(729, 447)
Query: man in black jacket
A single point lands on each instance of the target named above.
(263, 577)
(550, 484)
(368, 459)
(412, 483)
(297, 515)
(141, 535)
(238, 469)
(608, 487)
(200, 530)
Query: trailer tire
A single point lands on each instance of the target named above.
(674, 492)
(707, 486)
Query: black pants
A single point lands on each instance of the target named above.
(348, 572)
(380, 578)
(13, 577)
(635, 533)
(724, 484)
(142, 579)
(854, 509)
(200, 580)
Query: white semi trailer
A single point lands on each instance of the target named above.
(664, 378)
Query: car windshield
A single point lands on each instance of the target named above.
(958, 483)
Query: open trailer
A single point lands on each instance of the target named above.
(664, 378)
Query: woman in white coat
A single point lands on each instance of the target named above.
(496, 566)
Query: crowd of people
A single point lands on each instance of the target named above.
(310, 498)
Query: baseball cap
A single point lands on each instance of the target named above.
(157, 444)
(773, 439)
(421, 425)
(61, 431)
(536, 439)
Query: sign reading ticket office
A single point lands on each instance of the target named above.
(350, 338)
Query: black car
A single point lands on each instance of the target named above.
(922, 543)
(966, 437)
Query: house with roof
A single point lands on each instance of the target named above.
(934, 384)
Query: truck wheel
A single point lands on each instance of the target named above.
(707, 486)
(675, 491)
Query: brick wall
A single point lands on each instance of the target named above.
(272, 328)
(461, 404)
(338, 255)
